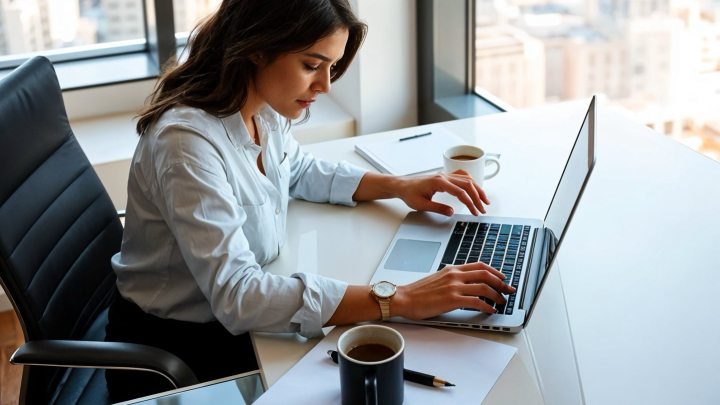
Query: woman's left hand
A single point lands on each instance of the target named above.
(417, 192)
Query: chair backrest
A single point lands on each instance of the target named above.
(58, 226)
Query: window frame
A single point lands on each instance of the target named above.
(461, 100)
(114, 62)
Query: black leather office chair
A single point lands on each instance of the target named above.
(58, 230)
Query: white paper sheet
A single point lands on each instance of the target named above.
(473, 364)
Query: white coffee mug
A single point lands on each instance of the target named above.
(471, 159)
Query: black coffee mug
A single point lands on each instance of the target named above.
(372, 382)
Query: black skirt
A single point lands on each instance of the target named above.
(207, 348)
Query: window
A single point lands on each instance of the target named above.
(659, 59)
(189, 12)
(90, 42)
(38, 26)
(445, 63)
(656, 58)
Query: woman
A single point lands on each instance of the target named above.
(208, 192)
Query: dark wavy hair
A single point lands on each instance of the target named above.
(218, 70)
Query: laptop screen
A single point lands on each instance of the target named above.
(571, 181)
(567, 195)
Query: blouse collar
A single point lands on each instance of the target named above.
(237, 131)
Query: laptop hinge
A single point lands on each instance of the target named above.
(528, 269)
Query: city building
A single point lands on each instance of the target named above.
(28, 26)
(25, 27)
(122, 20)
(188, 12)
(510, 64)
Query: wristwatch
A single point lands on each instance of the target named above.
(382, 291)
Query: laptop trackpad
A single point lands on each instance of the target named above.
(412, 255)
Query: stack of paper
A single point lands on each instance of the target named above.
(473, 364)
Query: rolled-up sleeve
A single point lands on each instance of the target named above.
(318, 180)
(320, 300)
(207, 222)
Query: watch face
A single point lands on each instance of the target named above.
(384, 289)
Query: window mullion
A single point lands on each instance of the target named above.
(160, 30)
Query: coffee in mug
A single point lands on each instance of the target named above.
(464, 157)
(371, 352)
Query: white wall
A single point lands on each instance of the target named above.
(380, 88)
(106, 100)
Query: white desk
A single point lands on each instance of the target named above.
(642, 182)
(643, 312)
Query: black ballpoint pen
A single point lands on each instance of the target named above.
(409, 375)
(415, 136)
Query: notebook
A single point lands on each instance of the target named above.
(418, 153)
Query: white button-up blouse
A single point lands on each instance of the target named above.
(202, 220)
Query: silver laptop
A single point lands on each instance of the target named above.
(523, 249)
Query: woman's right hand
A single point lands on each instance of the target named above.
(448, 289)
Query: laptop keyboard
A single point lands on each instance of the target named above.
(502, 246)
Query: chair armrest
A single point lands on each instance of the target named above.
(113, 355)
